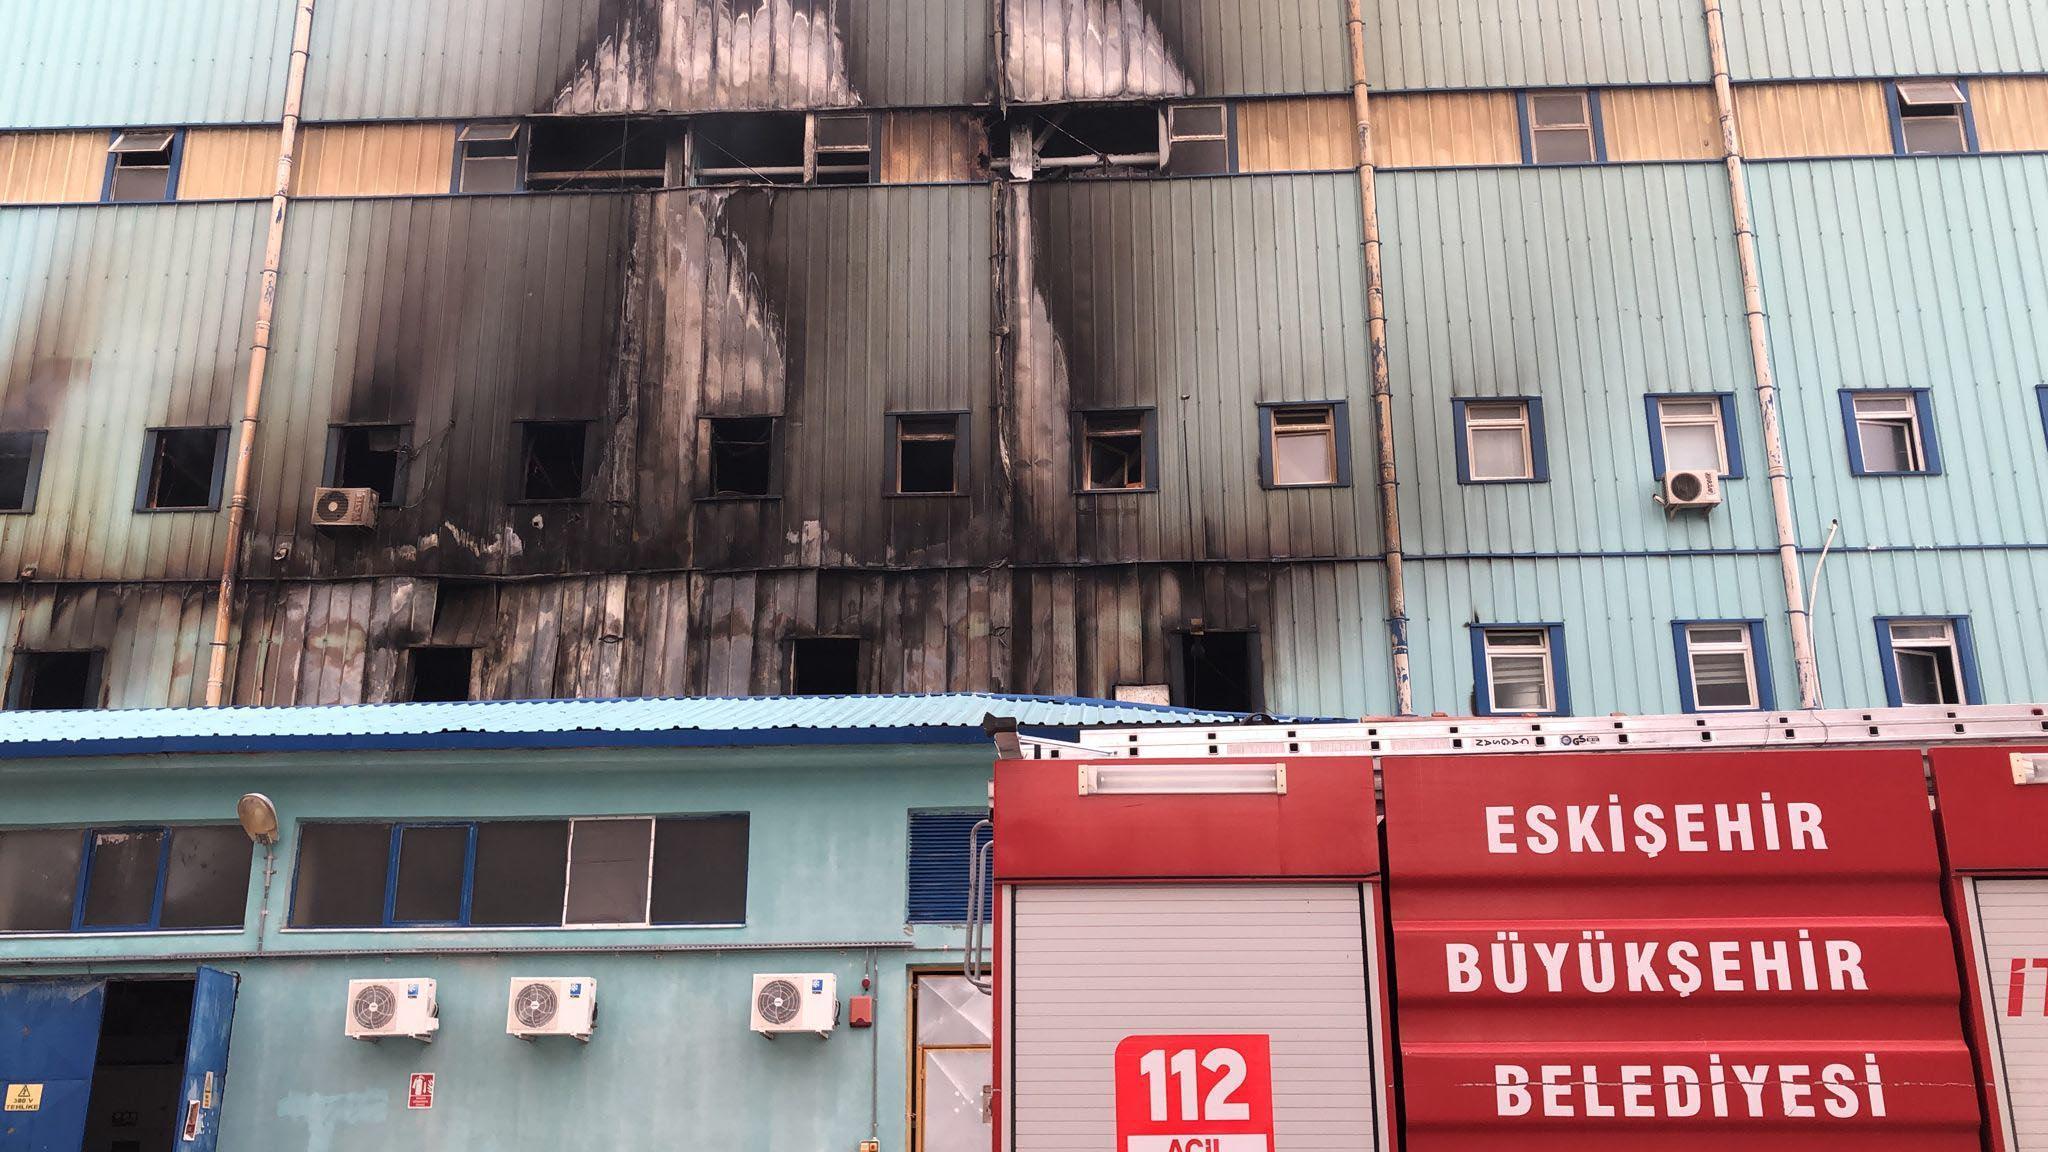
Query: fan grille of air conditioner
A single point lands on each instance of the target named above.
(778, 1002)
(1686, 486)
(333, 506)
(374, 1007)
(535, 1005)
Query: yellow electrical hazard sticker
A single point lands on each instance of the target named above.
(24, 1098)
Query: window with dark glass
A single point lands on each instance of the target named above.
(553, 460)
(742, 456)
(369, 456)
(928, 454)
(1561, 128)
(824, 666)
(1217, 671)
(1197, 140)
(131, 879)
(433, 870)
(21, 469)
(182, 469)
(700, 870)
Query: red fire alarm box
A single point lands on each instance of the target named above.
(860, 1012)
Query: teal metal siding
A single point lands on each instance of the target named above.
(1533, 43)
(2004, 592)
(1817, 39)
(143, 62)
(1072, 50)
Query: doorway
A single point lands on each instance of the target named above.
(140, 1066)
(951, 1060)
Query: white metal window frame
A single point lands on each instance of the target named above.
(1477, 420)
(1299, 422)
(1581, 126)
(1888, 410)
(1498, 643)
(1932, 636)
(1707, 415)
(1743, 645)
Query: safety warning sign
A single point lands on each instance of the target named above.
(420, 1094)
(23, 1098)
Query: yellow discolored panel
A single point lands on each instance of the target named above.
(1314, 134)
(52, 167)
(1826, 119)
(1445, 129)
(931, 148)
(2011, 113)
(1661, 123)
(228, 164)
(412, 159)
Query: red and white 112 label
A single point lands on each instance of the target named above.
(1194, 1094)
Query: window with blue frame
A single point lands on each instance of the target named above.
(1931, 117)
(145, 878)
(1694, 432)
(1305, 445)
(619, 871)
(1890, 432)
(142, 166)
(1928, 660)
(1519, 670)
(1500, 440)
(939, 858)
(1562, 126)
(1722, 665)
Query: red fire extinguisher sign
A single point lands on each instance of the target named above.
(1194, 1094)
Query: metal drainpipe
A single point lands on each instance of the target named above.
(1760, 361)
(259, 356)
(1382, 377)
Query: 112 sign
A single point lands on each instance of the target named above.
(1194, 1094)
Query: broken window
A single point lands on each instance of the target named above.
(1561, 128)
(748, 148)
(552, 459)
(55, 681)
(584, 154)
(742, 456)
(1305, 445)
(206, 878)
(1933, 117)
(700, 870)
(488, 157)
(824, 666)
(1197, 139)
(441, 674)
(1217, 672)
(1128, 136)
(368, 456)
(608, 861)
(142, 166)
(432, 862)
(522, 870)
(928, 453)
(136, 879)
(341, 874)
(1116, 451)
(120, 882)
(182, 469)
(844, 148)
(21, 469)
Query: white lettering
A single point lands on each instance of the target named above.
(1595, 964)
(1500, 830)
(1766, 1091)
(1462, 960)
(1762, 825)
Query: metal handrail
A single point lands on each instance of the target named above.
(980, 864)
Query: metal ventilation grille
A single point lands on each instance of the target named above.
(1686, 486)
(331, 507)
(535, 1006)
(778, 1001)
(374, 1007)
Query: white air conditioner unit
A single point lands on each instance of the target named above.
(345, 507)
(551, 1006)
(795, 1002)
(1691, 489)
(402, 1007)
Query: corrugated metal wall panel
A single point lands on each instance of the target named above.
(144, 62)
(1202, 298)
(1846, 119)
(1802, 39)
(1445, 129)
(1312, 134)
(229, 164)
(1068, 50)
(939, 856)
(2012, 931)
(1534, 43)
(932, 148)
(1923, 273)
(153, 637)
(2011, 112)
(373, 60)
(1661, 124)
(1588, 288)
(112, 321)
(375, 160)
(52, 167)
(1286, 961)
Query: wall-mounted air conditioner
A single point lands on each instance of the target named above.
(1690, 489)
(345, 507)
(551, 1006)
(378, 1009)
(795, 1002)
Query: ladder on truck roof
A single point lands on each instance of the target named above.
(1488, 735)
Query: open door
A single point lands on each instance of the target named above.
(206, 1060)
(49, 1038)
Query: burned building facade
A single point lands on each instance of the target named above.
(1248, 356)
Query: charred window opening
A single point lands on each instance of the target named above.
(182, 469)
(579, 154)
(369, 456)
(1198, 140)
(488, 157)
(844, 148)
(441, 674)
(142, 166)
(1218, 671)
(553, 456)
(1098, 137)
(749, 148)
(21, 470)
(928, 457)
(1116, 451)
(55, 681)
(824, 666)
(742, 456)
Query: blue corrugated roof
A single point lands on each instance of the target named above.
(706, 721)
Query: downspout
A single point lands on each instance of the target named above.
(1382, 377)
(1760, 360)
(259, 357)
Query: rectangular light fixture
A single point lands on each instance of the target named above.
(1141, 778)
(2030, 767)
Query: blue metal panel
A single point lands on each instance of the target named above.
(938, 865)
(49, 1035)
(206, 1058)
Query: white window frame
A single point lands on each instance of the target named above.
(1583, 126)
(489, 132)
(1941, 100)
(1746, 647)
(1520, 422)
(1916, 436)
(1666, 421)
(1325, 428)
(1488, 637)
(1945, 642)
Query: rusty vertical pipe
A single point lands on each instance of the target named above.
(259, 358)
(1760, 361)
(1382, 378)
